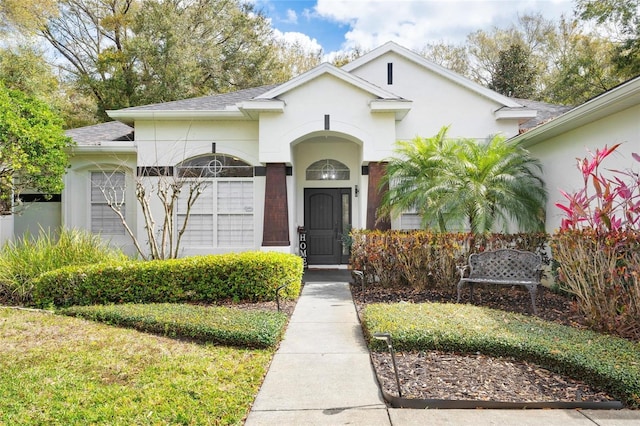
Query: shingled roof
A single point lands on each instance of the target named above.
(205, 103)
(545, 112)
(112, 131)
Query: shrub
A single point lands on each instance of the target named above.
(596, 249)
(604, 203)
(211, 324)
(603, 361)
(603, 271)
(250, 276)
(426, 259)
(24, 260)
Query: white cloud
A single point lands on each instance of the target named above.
(292, 16)
(414, 23)
(307, 43)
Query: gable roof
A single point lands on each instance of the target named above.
(385, 101)
(328, 69)
(621, 97)
(248, 103)
(433, 67)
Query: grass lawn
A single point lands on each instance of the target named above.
(69, 371)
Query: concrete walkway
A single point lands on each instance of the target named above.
(322, 375)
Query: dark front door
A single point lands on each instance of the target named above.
(327, 215)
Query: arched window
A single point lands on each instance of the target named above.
(328, 170)
(215, 166)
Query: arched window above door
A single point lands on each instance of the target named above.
(328, 169)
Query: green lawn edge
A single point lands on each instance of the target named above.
(212, 324)
(606, 362)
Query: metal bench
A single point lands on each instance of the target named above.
(506, 267)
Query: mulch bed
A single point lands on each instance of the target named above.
(450, 376)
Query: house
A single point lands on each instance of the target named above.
(290, 167)
(610, 118)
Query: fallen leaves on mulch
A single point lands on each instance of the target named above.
(438, 375)
(450, 376)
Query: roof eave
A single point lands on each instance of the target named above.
(130, 117)
(399, 107)
(106, 147)
(515, 113)
(254, 107)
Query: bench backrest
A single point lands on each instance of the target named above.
(507, 264)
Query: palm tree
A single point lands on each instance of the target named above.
(457, 184)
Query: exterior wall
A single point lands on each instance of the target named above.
(167, 143)
(558, 155)
(437, 101)
(76, 201)
(304, 117)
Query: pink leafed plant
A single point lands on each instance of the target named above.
(605, 203)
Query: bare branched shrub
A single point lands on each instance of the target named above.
(163, 233)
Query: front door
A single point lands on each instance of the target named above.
(327, 216)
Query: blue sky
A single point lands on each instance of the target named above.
(337, 25)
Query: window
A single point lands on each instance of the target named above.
(216, 166)
(410, 221)
(223, 214)
(328, 170)
(107, 188)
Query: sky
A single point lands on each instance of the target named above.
(340, 25)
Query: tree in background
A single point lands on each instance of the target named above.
(295, 59)
(581, 66)
(24, 68)
(514, 76)
(530, 32)
(32, 148)
(571, 64)
(449, 56)
(624, 18)
(455, 184)
(132, 52)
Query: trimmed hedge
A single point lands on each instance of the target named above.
(606, 362)
(210, 324)
(427, 259)
(248, 276)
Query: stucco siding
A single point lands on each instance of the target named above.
(559, 154)
(437, 101)
(349, 114)
(168, 143)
